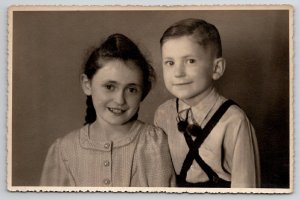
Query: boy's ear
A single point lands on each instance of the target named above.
(219, 68)
(86, 84)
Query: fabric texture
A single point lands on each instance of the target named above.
(142, 159)
(230, 149)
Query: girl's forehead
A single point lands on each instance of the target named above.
(119, 70)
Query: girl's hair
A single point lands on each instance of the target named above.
(204, 33)
(116, 46)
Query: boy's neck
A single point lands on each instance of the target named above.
(198, 98)
(103, 131)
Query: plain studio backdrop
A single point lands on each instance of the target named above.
(50, 47)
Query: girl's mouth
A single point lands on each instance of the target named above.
(116, 111)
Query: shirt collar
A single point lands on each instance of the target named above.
(87, 143)
(202, 108)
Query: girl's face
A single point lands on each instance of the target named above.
(116, 90)
(187, 68)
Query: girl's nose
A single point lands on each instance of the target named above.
(119, 97)
(179, 70)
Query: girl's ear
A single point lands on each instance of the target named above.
(86, 85)
(219, 68)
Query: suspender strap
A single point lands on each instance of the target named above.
(193, 153)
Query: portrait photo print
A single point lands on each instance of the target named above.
(75, 71)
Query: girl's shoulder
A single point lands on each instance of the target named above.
(74, 135)
(71, 140)
(152, 134)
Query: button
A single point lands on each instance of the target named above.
(106, 181)
(106, 145)
(106, 163)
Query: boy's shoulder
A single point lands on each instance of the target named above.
(168, 105)
(235, 112)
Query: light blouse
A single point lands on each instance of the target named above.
(142, 159)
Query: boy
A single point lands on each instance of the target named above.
(211, 140)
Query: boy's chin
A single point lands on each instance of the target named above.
(190, 98)
(183, 93)
(182, 96)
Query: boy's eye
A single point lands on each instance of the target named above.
(109, 87)
(191, 61)
(169, 63)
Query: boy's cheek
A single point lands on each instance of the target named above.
(167, 79)
(167, 72)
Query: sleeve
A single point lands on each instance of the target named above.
(154, 165)
(54, 171)
(245, 169)
(157, 118)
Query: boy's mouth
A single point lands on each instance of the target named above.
(184, 83)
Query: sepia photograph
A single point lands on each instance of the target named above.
(176, 99)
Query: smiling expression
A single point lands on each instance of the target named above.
(187, 68)
(116, 90)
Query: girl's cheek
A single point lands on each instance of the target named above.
(137, 100)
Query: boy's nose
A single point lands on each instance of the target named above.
(179, 70)
(119, 97)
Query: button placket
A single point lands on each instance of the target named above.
(107, 165)
(107, 145)
(106, 181)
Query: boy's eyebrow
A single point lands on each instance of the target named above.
(185, 56)
(167, 57)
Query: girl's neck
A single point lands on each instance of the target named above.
(103, 131)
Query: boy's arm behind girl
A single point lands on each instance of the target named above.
(199, 117)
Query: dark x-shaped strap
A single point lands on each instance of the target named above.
(194, 146)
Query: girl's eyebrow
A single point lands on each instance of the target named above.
(134, 84)
(111, 81)
(128, 84)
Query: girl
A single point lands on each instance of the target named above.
(113, 148)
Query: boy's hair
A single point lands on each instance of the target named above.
(203, 32)
(120, 47)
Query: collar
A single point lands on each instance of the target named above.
(87, 143)
(201, 110)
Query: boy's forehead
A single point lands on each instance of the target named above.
(182, 45)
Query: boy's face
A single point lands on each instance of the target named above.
(187, 69)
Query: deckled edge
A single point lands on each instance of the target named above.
(60, 7)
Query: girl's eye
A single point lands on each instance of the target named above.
(191, 61)
(109, 87)
(169, 63)
(132, 90)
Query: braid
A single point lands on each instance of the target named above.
(90, 116)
